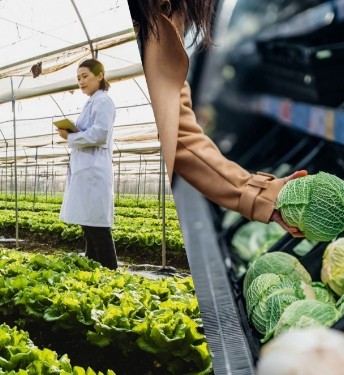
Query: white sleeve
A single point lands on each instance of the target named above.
(101, 122)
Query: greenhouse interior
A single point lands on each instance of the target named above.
(200, 288)
(32, 154)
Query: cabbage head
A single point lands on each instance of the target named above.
(279, 263)
(323, 293)
(254, 239)
(314, 204)
(305, 314)
(332, 270)
(268, 296)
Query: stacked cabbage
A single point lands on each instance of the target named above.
(273, 282)
(314, 204)
(281, 295)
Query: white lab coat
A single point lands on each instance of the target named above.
(88, 198)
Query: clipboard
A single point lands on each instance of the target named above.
(66, 125)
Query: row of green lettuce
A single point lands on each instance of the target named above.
(20, 356)
(70, 293)
(137, 223)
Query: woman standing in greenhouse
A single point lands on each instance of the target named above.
(88, 198)
(160, 27)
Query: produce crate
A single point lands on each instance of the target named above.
(312, 262)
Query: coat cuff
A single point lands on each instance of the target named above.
(257, 201)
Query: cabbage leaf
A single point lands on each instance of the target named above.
(307, 313)
(269, 295)
(314, 204)
(279, 263)
(332, 270)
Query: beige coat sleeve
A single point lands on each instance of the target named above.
(201, 163)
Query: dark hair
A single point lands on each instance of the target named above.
(96, 67)
(197, 14)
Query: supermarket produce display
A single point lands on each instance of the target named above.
(251, 276)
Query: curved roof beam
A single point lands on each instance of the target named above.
(114, 75)
(74, 52)
(83, 26)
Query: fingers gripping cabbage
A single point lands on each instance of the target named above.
(314, 204)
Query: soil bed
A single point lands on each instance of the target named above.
(53, 244)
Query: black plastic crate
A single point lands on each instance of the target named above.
(312, 263)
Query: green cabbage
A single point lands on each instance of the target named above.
(323, 293)
(314, 204)
(254, 239)
(332, 270)
(307, 313)
(278, 263)
(269, 295)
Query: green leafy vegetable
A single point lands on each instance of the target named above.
(314, 204)
(307, 313)
(269, 295)
(278, 263)
(254, 239)
(323, 293)
(332, 270)
(340, 305)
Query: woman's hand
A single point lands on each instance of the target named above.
(63, 133)
(276, 216)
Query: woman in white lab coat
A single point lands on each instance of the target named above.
(88, 198)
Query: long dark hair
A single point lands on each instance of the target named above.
(198, 14)
(96, 67)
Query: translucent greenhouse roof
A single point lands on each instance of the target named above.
(56, 36)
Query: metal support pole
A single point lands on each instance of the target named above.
(84, 27)
(6, 145)
(35, 183)
(139, 182)
(46, 185)
(163, 209)
(119, 171)
(15, 164)
(145, 179)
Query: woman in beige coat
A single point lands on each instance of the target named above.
(161, 25)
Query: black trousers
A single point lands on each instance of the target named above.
(100, 246)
